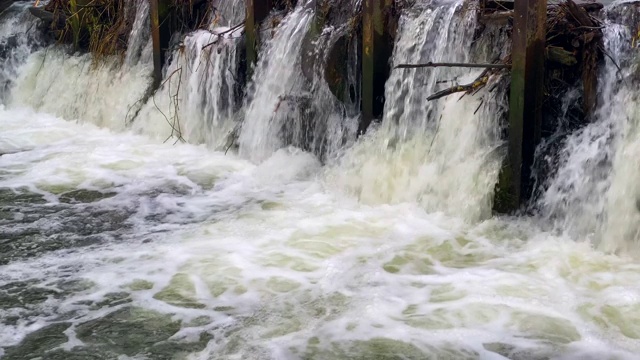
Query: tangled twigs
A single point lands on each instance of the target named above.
(174, 121)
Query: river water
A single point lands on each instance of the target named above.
(117, 244)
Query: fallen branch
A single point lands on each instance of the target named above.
(464, 65)
(221, 34)
(474, 86)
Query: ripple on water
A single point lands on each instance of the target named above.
(173, 252)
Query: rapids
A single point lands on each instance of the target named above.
(117, 244)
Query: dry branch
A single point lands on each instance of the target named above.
(462, 65)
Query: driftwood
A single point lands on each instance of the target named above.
(463, 65)
(574, 39)
(478, 84)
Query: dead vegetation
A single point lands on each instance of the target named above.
(573, 49)
(102, 27)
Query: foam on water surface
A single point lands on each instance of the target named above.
(116, 245)
(199, 255)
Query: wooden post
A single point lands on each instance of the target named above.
(525, 115)
(160, 35)
(257, 11)
(377, 45)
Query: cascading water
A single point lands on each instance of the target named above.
(106, 94)
(283, 107)
(444, 154)
(199, 100)
(594, 193)
(18, 39)
(260, 136)
(119, 246)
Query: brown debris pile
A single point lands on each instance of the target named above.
(102, 27)
(574, 48)
(573, 44)
(99, 26)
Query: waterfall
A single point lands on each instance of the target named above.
(289, 101)
(19, 37)
(76, 87)
(128, 231)
(230, 12)
(199, 100)
(445, 154)
(139, 49)
(594, 194)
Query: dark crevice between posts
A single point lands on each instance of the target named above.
(257, 12)
(168, 18)
(342, 56)
(378, 36)
(161, 35)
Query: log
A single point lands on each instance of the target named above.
(256, 12)
(42, 14)
(499, 5)
(497, 17)
(474, 86)
(580, 14)
(463, 65)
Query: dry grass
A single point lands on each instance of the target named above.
(103, 26)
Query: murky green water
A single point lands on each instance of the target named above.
(116, 247)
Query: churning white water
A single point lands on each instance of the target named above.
(199, 100)
(438, 153)
(595, 193)
(106, 93)
(117, 245)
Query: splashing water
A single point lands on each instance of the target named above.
(439, 153)
(116, 245)
(198, 100)
(277, 77)
(18, 39)
(594, 194)
(74, 87)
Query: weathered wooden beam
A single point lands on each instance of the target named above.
(376, 51)
(256, 12)
(159, 11)
(462, 65)
(525, 115)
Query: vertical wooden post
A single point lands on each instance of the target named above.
(257, 11)
(377, 45)
(525, 114)
(160, 35)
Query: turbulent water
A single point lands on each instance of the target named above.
(436, 153)
(595, 192)
(115, 244)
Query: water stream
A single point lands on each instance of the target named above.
(117, 244)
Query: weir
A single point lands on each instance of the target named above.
(333, 195)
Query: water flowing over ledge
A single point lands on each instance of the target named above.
(305, 242)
